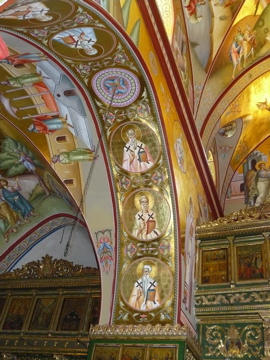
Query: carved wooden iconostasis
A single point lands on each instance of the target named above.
(125, 342)
(47, 308)
(232, 296)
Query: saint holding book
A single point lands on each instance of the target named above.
(136, 155)
(145, 224)
(145, 293)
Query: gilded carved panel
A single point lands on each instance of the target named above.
(233, 341)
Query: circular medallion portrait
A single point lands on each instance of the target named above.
(228, 130)
(146, 214)
(84, 43)
(36, 14)
(135, 147)
(147, 284)
(116, 87)
(179, 146)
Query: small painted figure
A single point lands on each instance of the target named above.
(235, 55)
(36, 10)
(145, 223)
(79, 154)
(25, 58)
(23, 80)
(45, 124)
(16, 200)
(26, 161)
(261, 184)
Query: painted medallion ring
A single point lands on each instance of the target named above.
(116, 87)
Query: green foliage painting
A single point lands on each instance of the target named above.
(16, 159)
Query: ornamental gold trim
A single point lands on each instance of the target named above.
(177, 330)
(49, 268)
(250, 214)
(240, 298)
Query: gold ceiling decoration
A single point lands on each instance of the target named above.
(167, 14)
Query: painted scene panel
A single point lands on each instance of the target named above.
(163, 353)
(214, 266)
(17, 313)
(72, 314)
(250, 262)
(43, 313)
(134, 352)
(106, 352)
(95, 310)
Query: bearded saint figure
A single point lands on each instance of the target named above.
(145, 293)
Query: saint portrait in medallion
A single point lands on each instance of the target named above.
(135, 147)
(84, 43)
(36, 14)
(146, 214)
(147, 284)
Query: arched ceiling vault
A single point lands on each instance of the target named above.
(73, 90)
(226, 85)
(75, 81)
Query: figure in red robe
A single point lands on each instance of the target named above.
(21, 59)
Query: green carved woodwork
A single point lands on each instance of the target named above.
(232, 298)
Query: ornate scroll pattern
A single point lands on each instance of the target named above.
(255, 297)
(254, 213)
(149, 330)
(47, 267)
(266, 329)
(234, 342)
